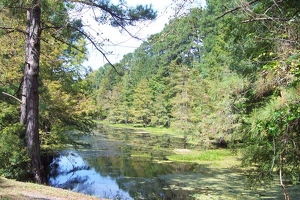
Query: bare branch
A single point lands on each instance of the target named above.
(12, 96)
(265, 19)
(236, 8)
(274, 155)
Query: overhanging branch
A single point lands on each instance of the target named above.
(102, 7)
(87, 37)
(235, 9)
(96, 46)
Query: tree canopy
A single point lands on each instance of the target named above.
(54, 44)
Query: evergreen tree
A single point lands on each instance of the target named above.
(142, 103)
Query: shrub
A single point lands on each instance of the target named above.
(13, 157)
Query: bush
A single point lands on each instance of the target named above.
(13, 158)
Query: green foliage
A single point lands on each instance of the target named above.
(142, 103)
(13, 157)
(121, 15)
(273, 142)
(60, 114)
(181, 93)
(8, 115)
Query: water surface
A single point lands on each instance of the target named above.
(126, 164)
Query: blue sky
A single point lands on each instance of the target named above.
(118, 44)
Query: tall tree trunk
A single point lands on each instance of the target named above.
(30, 108)
(24, 86)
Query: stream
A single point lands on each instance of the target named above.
(126, 164)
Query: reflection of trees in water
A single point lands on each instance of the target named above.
(142, 141)
(116, 166)
(57, 170)
(74, 182)
(78, 182)
(151, 188)
(138, 176)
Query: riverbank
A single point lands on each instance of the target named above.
(15, 190)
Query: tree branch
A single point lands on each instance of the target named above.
(87, 37)
(13, 29)
(265, 19)
(67, 43)
(235, 9)
(102, 7)
(12, 96)
(96, 46)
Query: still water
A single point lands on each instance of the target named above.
(125, 164)
(107, 177)
(70, 171)
(121, 165)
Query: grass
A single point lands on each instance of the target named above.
(14, 190)
(209, 155)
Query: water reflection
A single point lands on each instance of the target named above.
(70, 171)
(121, 165)
(114, 177)
(127, 165)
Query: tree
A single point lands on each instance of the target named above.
(181, 103)
(142, 103)
(42, 17)
(269, 38)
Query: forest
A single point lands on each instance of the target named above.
(226, 74)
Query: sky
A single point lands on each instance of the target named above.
(116, 43)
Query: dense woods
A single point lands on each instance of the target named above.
(223, 74)
(226, 74)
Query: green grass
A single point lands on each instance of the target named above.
(209, 155)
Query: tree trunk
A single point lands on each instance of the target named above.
(30, 99)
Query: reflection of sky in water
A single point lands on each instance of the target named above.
(74, 174)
